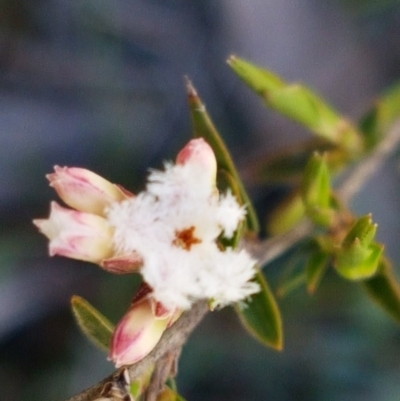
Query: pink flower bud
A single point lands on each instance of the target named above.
(84, 190)
(137, 333)
(199, 152)
(76, 235)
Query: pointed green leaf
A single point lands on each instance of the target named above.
(363, 229)
(203, 127)
(385, 110)
(290, 283)
(261, 316)
(292, 270)
(315, 269)
(300, 104)
(286, 215)
(260, 80)
(93, 324)
(315, 189)
(384, 289)
(303, 106)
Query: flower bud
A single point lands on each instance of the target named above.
(358, 263)
(76, 235)
(359, 256)
(137, 333)
(84, 190)
(316, 192)
(199, 152)
(364, 229)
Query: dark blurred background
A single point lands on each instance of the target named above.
(99, 84)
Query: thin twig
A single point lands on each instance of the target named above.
(371, 164)
(265, 251)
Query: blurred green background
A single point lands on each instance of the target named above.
(99, 84)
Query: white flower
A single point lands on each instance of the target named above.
(169, 233)
(174, 226)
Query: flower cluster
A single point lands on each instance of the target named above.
(169, 233)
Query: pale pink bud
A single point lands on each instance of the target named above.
(199, 152)
(76, 235)
(84, 190)
(137, 333)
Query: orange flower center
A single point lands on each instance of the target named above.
(185, 238)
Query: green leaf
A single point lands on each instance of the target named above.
(260, 80)
(203, 127)
(261, 316)
(290, 283)
(292, 270)
(286, 215)
(385, 110)
(303, 106)
(316, 268)
(300, 104)
(315, 190)
(93, 324)
(384, 290)
(363, 229)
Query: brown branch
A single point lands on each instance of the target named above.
(265, 251)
